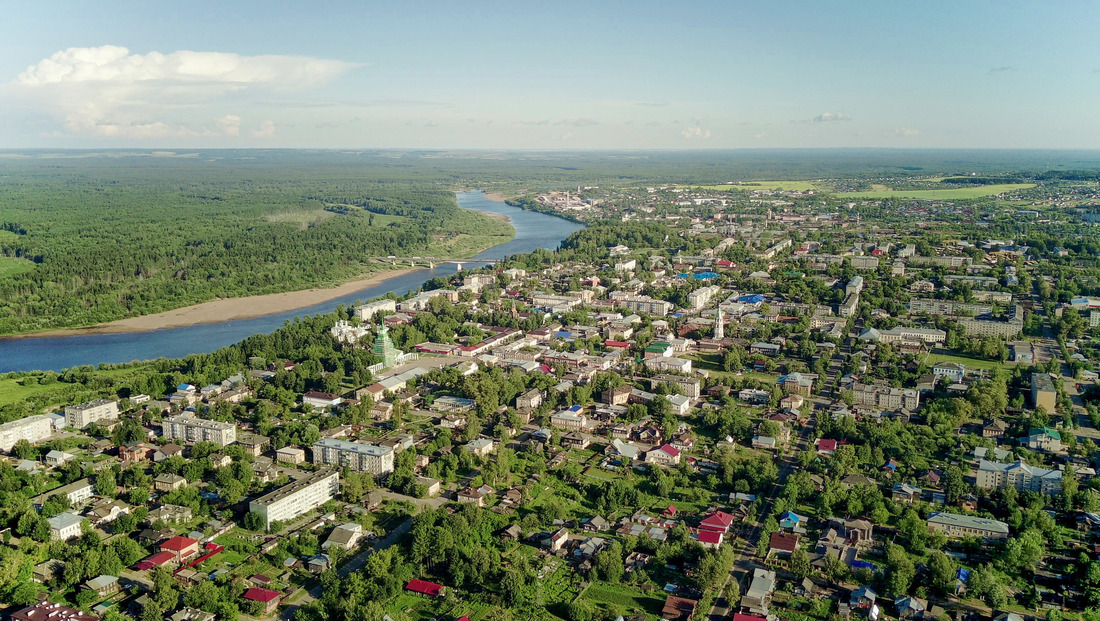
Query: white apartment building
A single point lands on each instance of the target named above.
(297, 498)
(33, 429)
(366, 312)
(191, 430)
(701, 297)
(993, 475)
(357, 456)
(641, 303)
(80, 416)
(886, 397)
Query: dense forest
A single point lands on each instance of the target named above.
(83, 242)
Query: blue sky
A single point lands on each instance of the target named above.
(561, 75)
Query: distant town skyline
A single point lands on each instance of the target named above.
(565, 75)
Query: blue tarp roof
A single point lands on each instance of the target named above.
(862, 565)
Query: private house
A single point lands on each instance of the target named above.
(425, 588)
(718, 522)
(782, 545)
(345, 536)
(759, 595)
(169, 514)
(169, 482)
(103, 586)
(664, 455)
(994, 429)
(268, 599)
(678, 608)
(906, 493)
(181, 548)
(710, 539)
(826, 446)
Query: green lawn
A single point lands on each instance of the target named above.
(789, 186)
(944, 194)
(970, 363)
(10, 266)
(632, 600)
(27, 389)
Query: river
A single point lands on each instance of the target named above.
(533, 230)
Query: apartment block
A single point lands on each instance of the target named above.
(80, 416)
(33, 429)
(886, 397)
(191, 430)
(366, 312)
(357, 456)
(993, 475)
(297, 498)
(1043, 392)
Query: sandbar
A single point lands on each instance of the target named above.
(225, 309)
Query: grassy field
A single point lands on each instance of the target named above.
(633, 601)
(789, 186)
(10, 266)
(471, 232)
(18, 390)
(944, 194)
(970, 363)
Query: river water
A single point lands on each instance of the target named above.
(533, 230)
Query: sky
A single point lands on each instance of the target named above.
(550, 75)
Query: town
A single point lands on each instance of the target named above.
(746, 402)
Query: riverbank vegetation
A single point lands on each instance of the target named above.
(85, 242)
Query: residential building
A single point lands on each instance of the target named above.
(529, 400)
(994, 475)
(686, 385)
(956, 525)
(568, 419)
(641, 304)
(759, 595)
(1043, 439)
(345, 536)
(953, 371)
(885, 397)
(50, 611)
(33, 429)
(664, 455)
(321, 400)
(360, 457)
(65, 526)
(366, 312)
(168, 482)
(1043, 393)
(80, 416)
(188, 429)
(77, 491)
(797, 383)
(103, 585)
(298, 497)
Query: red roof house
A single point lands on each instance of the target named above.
(710, 538)
(267, 597)
(424, 587)
(826, 447)
(156, 560)
(180, 547)
(719, 522)
(784, 543)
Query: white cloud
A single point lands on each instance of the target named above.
(830, 117)
(266, 130)
(696, 132)
(905, 131)
(109, 91)
(230, 125)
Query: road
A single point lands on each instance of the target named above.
(746, 551)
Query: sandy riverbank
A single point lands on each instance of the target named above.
(495, 196)
(226, 309)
